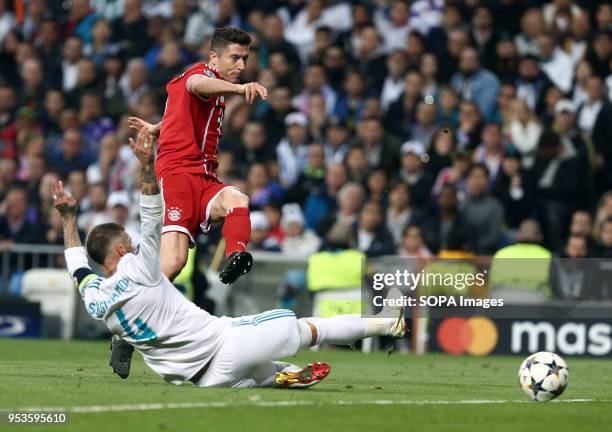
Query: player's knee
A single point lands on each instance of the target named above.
(233, 198)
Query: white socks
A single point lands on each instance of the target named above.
(342, 329)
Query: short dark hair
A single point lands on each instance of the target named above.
(224, 36)
(100, 238)
(479, 166)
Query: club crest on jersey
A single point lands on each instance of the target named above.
(174, 214)
(209, 73)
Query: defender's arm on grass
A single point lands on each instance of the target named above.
(206, 87)
(76, 257)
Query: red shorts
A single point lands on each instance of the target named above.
(188, 199)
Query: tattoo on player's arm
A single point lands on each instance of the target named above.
(149, 180)
(71, 233)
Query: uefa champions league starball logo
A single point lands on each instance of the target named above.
(174, 214)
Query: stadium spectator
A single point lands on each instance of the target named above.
(570, 272)
(71, 155)
(402, 112)
(134, 82)
(524, 132)
(470, 126)
(490, 152)
(8, 175)
(357, 164)
(350, 102)
(482, 213)
(532, 26)
(312, 176)
(414, 174)
(513, 189)
(555, 62)
(439, 150)
(582, 223)
(532, 83)
(94, 125)
(412, 245)
(335, 228)
(112, 164)
(376, 185)
(455, 175)
(14, 224)
(557, 194)
(475, 83)
(448, 108)
(253, 147)
(595, 121)
(368, 55)
(315, 83)
(101, 45)
(118, 205)
(259, 233)
(322, 202)
(369, 234)
(298, 239)
(292, 150)
(484, 36)
(457, 40)
(336, 143)
(277, 109)
(393, 84)
(261, 188)
(603, 248)
(400, 213)
(444, 222)
(98, 212)
(380, 148)
(425, 125)
(429, 69)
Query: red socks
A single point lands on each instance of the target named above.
(236, 230)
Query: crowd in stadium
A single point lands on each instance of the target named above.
(392, 126)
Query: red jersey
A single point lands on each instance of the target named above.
(191, 128)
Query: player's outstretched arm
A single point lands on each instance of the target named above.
(76, 257)
(151, 212)
(212, 87)
(67, 207)
(143, 150)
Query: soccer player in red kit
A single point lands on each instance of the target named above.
(186, 163)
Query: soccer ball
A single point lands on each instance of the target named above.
(543, 376)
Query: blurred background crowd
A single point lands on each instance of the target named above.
(417, 128)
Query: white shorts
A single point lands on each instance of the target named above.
(245, 358)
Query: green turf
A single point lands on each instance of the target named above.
(40, 373)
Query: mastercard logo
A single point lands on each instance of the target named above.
(476, 336)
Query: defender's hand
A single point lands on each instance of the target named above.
(65, 203)
(252, 90)
(143, 147)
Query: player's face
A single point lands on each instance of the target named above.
(231, 61)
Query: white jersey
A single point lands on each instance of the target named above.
(140, 304)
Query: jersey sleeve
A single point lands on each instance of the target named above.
(85, 279)
(146, 256)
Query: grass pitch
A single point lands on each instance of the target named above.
(373, 392)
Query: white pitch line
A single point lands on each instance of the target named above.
(279, 403)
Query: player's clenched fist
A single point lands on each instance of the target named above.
(252, 90)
